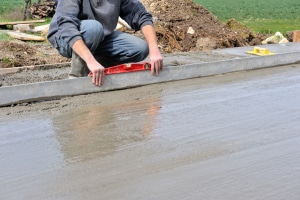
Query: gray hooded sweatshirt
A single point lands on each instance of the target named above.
(66, 21)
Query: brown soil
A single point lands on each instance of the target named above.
(181, 26)
(17, 54)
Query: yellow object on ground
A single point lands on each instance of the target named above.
(260, 51)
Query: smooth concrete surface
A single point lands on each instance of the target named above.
(47, 90)
(234, 136)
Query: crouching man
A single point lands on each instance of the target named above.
(84, 30)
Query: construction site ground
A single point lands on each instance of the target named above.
(226, 136)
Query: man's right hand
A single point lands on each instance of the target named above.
(98, 72)
(94, 66)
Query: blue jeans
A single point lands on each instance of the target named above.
(116, 48)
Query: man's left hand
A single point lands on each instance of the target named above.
(156, 61)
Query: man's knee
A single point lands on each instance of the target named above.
(92, 32)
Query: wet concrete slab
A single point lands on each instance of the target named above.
(233, 136)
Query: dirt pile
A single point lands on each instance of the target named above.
(18, 54)
(183, 25)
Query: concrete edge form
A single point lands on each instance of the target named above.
(61, 88)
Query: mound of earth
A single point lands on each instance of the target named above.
(17, 54)
(183, 25)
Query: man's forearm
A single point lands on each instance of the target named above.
(81, 49)
(150, 37)
(154, 53)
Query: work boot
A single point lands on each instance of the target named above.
(78, 67)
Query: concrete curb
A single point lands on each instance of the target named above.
(55, 89)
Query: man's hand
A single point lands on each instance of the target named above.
(98, 72)
(156, 61)
(94, 66)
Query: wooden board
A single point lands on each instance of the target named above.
(25, 36)
(21, 22)
(40, 28)
(23, 27)
(296, 36)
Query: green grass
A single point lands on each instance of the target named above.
(11, 6)
(271, 26)
(4, 36)
(261, 15)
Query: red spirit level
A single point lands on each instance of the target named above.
(124, 68)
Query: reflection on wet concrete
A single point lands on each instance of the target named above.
(225, 137)
(93, 131)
